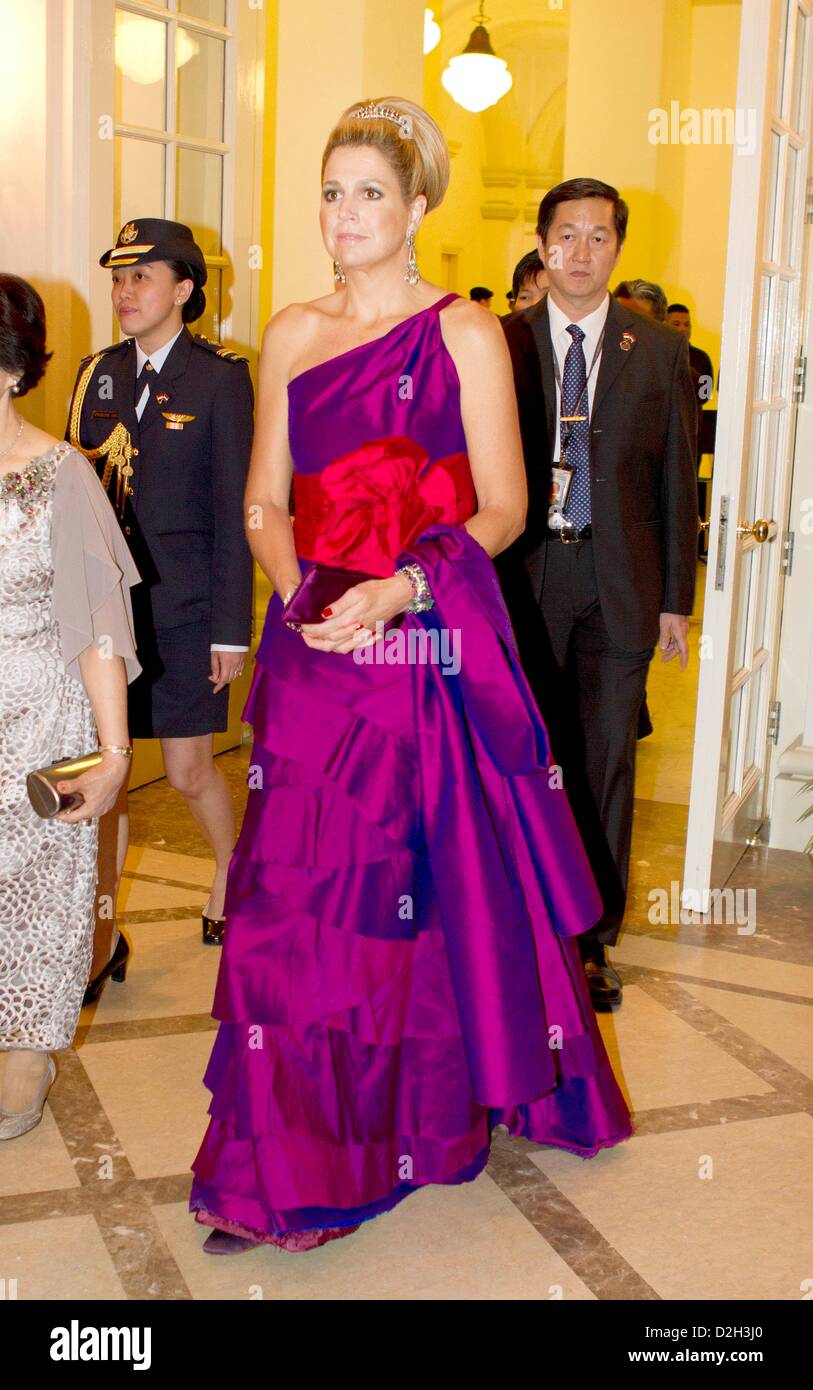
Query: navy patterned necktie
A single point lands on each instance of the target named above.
(577, 433)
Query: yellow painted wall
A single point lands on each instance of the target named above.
(362, 49)
(614, 80)
(707, 177)
(659, 51)
(269, 158)
(504, 157)
(456, 227)
(586, 78)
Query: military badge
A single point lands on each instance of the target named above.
(128, 233)
(175, 422)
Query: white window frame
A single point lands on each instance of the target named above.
(170, 14)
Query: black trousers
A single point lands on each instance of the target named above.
(589, 691)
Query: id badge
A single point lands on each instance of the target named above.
(560, 484)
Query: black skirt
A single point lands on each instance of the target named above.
(173, 697)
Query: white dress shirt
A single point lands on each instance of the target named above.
(157, 359)
(592, 326)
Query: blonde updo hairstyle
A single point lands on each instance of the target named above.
(420, 160)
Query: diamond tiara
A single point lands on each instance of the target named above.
(385, 113)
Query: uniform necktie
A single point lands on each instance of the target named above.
(575, 437)
(145, 378)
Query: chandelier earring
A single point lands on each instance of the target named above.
(339, 276)
(412, 274)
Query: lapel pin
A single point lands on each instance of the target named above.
(175, 422)
(162, 397)
(628, 341)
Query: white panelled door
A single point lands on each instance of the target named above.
(760, 370)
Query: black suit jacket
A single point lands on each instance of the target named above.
(642, 469)
(184, 518)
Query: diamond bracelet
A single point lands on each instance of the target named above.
(421, 593)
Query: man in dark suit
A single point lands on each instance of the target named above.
(167, 418)
(606, 566)
(679, 318)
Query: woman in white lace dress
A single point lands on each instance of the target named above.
(66, 654)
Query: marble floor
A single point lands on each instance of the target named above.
(711, 1199)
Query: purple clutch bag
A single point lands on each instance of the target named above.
(321, 586)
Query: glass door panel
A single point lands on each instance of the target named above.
(213, 10)
(756, 428)
(140, 53)
(771, 252)
(800, 114)
(138, 183)
(209, 323)
(200, 83)
(199, 197)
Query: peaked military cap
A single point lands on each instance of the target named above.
(155, 239)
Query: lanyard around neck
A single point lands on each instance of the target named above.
(575, 417)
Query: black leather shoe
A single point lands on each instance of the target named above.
(116, 969)
(606, 990)
(212, 930)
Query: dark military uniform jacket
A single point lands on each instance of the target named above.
(181, 507)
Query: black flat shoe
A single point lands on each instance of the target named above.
(116, 969)
(212, 930)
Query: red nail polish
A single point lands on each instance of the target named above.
(327, 612)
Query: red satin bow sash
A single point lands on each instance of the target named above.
(364, 507)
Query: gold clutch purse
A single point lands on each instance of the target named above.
(41, 784)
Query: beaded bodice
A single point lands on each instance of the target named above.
(33, 485)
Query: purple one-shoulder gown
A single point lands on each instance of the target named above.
(399, 971)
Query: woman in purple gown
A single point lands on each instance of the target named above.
(400, 972)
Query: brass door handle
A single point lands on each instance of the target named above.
(760, 530)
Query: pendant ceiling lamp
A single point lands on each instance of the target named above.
(477, 78)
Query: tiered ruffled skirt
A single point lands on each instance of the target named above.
(338, 1076)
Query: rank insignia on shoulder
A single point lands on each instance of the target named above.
(218, 349)
(176, 422)
(94, 356)
(113, 347)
